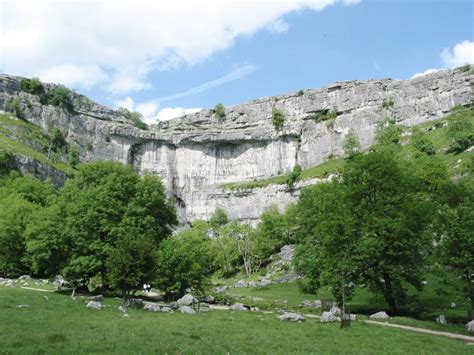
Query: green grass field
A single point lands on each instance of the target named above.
(55, 323)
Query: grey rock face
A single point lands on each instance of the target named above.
(379, 315)
(152, 307)
(470, 326)
(328, 317)
(292, 317)
(94, 305)
(197, 153)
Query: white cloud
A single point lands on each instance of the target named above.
(127, 103)
(119, 43)
(462, 53)
(172, 112)
(426, 72)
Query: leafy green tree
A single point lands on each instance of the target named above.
(294, 176)
(60, 96)
(106, 201)
(460, 130)
(184, 261)
(219, 110)
(131, 264)
(421, 142)
(351, 144)
(388, 133)
(32, 86)
(453, 227)
(15, 107)
(74, 156)
(278, 119)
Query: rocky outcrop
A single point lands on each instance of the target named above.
(197, 153)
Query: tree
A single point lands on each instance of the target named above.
(294, 176)
(184, 261)
(32, 86)
(351, 144)
(103, 203)
(131, 264)
(388, 133)
(278, 119)
(460, 130)
(60, 96)
(453, 227)
(219, 110)
(421, 142)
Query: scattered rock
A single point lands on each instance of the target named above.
(335, 310)
(470, 326)
(379, 315)
(442, 319)
(210, 299)
(135, 302)
(97, 298)
(174, 305)
(453, 305)
(187, 300)
(59, 282)
(126, 315)
(264, 282)
(254, 309)
(152, 307)
(313, 304)
(257, 299)
(166, 310)
(328, 317)
(292, 317)
(94, 305)
(24, 278)
(238, 307)
(122, 309)
(240, 284)
(186, 310)
(221, 289)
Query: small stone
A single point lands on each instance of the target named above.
(257, 299)
(379, 315)
(174, 305)
(328, 317)
(186, 310)
(126, 315)
(291, 317)
(166, 310)
(335, 310)
(210, 299)
(254, 309)
(442, 319)
(453, 305)
(97, 298)
(94, 305)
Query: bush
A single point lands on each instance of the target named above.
(32, 86)
(135, 117)
(351, 144)
(219, 110)
(107, 138)
(294, 176)
(300, 93)
(15, 107)
(325, 115)
(278, 119)
(60, 96)
(57, 140)
(388, 104)
(461, 131)
(74, 157)
(420, 142)
(388, 133)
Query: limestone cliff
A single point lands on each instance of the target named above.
(197, 153)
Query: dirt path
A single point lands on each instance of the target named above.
(467, 338)
(35, 289)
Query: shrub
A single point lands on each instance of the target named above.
(60, 96)
(74, 157)
(294, 176)
(15, 107)
(325, 115)
(461, 132)
(107, 138)
(135, 117)
(388, 104)
(420, 142)
(278, 119)
(300, 93)
(57, 140)
(351, 144)
(464, 69)
(388, 133)
(32, 86)
(219, 110)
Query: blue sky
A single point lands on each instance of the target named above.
(232, 52)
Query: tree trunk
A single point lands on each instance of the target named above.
(389, 294)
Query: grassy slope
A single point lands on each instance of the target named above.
(18, 137)
(59, 324)
(437, 136)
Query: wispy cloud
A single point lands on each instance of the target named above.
(232, 76)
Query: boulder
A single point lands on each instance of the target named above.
(24, 278)
(166, 310)
(470, 326)
(152, 307)
(174, 305)
(238, 307)
(186, 310)
(240, 284)
(291, 317)
(94, 305)
(442, 319)
(187, 300)
(379, 315)
(210, 299)
(328, 317)
(335, 310)
(264, 282)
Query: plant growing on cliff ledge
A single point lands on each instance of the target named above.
(388, 104)
(135, 117)
(219, 110)
(14, 106)
(351, 144)
(294, 176)
(32, 86)
(325, 115)
(278, 119)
